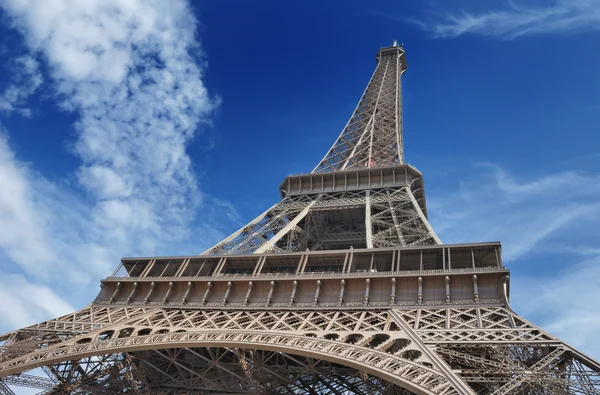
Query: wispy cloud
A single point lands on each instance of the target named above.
(518, 18)
(565, 304)
(25, 81)
(34, 302)
(562, 209)
(493, 205)
(132, 73)
(22, 225)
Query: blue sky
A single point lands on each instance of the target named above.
(156, 128)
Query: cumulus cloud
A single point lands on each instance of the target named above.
(132, 74)
(519, 18)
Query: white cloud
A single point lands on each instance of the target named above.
(583, 250)
(48, 231)
(23, 303)
(554, 215)
(132, 73)
(495, 206)
(22, 228)
(26, 79)
(520, 18)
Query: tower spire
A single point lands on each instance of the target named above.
(373, 135)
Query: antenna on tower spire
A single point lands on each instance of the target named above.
(395, 43)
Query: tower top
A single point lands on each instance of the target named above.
(394, 50)
(373, 135)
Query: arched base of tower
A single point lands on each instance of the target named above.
(435, 350)
(215, 370)
(247, 371)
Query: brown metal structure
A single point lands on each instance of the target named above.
(340, 288)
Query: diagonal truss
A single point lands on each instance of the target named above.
(297, 352)
(381, 217)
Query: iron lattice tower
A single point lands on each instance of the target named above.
(341, 287)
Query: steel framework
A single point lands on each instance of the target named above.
(341, 287)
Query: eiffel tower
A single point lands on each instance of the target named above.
(342, 287)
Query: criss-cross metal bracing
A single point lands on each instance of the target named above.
(373, 135)
(372, 199)
(380, 217)
(487, 350)
(340, 288)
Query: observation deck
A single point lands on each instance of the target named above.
(439, 275)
